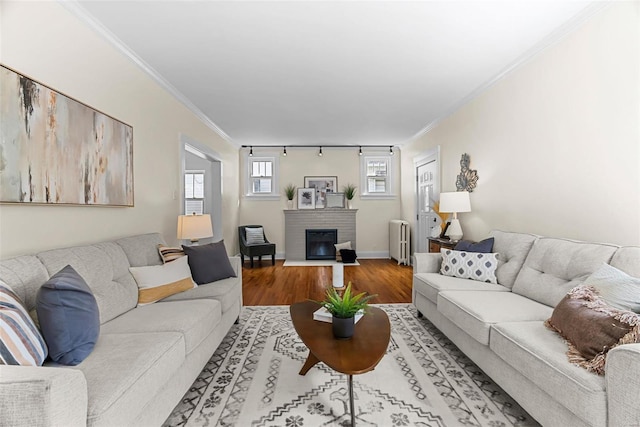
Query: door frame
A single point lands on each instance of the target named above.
(188, 144)
(422, 159)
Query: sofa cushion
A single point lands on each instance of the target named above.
(69, 317)
(475, 311)
(429, 284)
(156, 282)
(105, 268)
(227, 291)
(616, 287)
(209, 262)
(469, 265)
(142, 249)
(124, 372)
(592, 327)
(24, 275)
(513, 249)
(539, 355)
(193, 319)
(20, 340)
(626, 259)
(555, 266)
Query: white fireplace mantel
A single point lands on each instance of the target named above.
(296, 221)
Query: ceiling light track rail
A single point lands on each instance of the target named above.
(319, 148)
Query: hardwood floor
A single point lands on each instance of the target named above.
(277, 285)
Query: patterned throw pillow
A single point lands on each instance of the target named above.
(469, 265)
(156, 282)
(20, 341)
(255, 236)
(169, 254)
(592, 327)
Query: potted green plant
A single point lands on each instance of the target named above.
(344, 309)
(290, 192)
(349, 191)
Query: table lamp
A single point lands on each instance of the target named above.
(455, 202)
(194, 227)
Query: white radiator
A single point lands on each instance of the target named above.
(399, 241)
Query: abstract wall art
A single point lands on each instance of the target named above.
(56, 150)
(468, 178)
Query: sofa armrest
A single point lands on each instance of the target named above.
(426, 262)
(623, 385)
(236, 265)
(42, 396)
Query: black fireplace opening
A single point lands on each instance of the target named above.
(320, 243)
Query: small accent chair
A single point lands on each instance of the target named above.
(258, 249)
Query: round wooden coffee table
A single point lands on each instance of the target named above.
(357, 355)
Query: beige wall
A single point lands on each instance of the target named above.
(556, 142)
(49, 44)
(372, 221)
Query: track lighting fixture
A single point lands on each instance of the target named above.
(320, 152)
(360, 151)
(391, 150)
(250, 151)
(284, 152)
(377, 148)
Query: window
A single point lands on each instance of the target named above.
(376, 176)
(262, 179)
(194, 192)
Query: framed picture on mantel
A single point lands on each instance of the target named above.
(306, 198)
(322, 185)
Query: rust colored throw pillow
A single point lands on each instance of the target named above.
(592, 327)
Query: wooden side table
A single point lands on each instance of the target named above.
(435, 244)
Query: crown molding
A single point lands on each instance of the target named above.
(551, 39)
(74, 7)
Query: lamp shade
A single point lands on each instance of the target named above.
(457, 201)
(194, 227)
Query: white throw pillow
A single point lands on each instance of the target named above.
(156, 282)
(345, 245)
(255, 236)
(469, 265)
(616, 287)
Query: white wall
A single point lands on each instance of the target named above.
(49, 44)
(556, 142)
(372, 219)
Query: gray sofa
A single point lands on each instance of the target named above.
(145, 359)
(500, 327)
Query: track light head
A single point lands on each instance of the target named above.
(360, 151)
(320, 152)
(250, 151)
(284, 152)
(391, 150)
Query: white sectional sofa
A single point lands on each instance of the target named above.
(145, 359)
(501, 328)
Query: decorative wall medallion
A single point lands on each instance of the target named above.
(468, 178)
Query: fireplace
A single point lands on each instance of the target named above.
(320, 243)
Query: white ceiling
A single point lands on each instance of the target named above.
(339, 72)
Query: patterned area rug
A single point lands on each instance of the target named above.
(423, 380)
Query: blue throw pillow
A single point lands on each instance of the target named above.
(484, 247)
(68, 316)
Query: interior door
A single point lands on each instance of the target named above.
(427, 192)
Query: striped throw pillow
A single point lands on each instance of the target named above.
(156, 282)
(169, 254)
(255, 236)
(20, 341)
